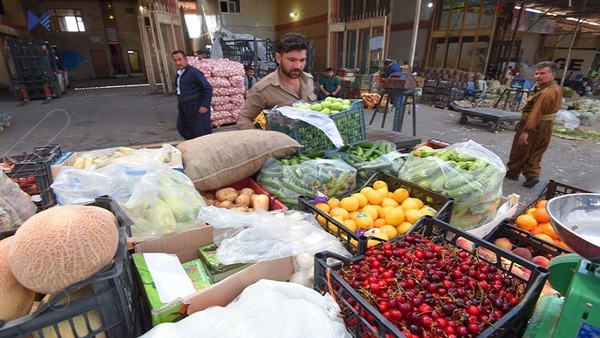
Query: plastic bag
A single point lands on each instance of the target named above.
(261, 236)
(568, 118)
(264, 309)
(80, 186)
(331, 177)
(389, 163)
(467, 172)
(163, 201)
(15, 205)
(587, 118)
(290, 116)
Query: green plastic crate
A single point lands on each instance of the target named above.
(350, 123)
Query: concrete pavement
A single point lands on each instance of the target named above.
(109, 116)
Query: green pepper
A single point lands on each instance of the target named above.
(369, 152)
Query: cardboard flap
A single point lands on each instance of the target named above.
(225, 291)
(184, 244)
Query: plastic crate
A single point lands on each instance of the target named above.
(552, 189)
(522, 238)
(33, 172)
(114, 299)
(350, 123)
(351, 241)
(358, 310)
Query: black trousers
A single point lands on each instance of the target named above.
(190, 122)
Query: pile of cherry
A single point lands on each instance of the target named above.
(428, 289)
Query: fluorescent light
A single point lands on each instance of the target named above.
(292, 14)
(430, 4)
(533, 10)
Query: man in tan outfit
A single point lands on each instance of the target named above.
(534, 131)
(286, 85)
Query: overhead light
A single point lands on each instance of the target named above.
(532, 10)
(430, 4)
(293, 14)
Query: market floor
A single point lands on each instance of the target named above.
(98, 114)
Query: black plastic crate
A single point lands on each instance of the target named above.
(351, 241)
(114, 299)
(33, 172)
(364, 320)
(523, 238)
(552, 189)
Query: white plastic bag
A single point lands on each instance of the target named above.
(264, 309)
(261, 236)
(15, 205)
(568, 118)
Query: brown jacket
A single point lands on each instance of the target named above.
(269, 92)
(545, 101)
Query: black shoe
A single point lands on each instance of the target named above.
(530, 183)
(512, 178)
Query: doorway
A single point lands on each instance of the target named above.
(100, 63)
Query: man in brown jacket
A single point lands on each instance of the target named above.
(286, 85)
(534, 131)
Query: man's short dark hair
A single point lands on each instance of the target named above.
(179, 52)
(550, 64)
(329, 69)
(388, 62)
(291, 41)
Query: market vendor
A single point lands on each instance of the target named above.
(286, 85)
(390, 67)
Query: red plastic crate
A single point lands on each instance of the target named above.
(274, 203)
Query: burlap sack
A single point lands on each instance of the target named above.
(217, 160)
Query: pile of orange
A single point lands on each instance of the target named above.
(382, 213)
(537, 221)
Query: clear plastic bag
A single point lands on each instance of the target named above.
(568, 118)
(331, 177)
(15, 205)
(80, 186)
(467, 172)
(264, 309)
(260, 236)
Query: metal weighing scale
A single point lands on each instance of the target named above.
(576, 276)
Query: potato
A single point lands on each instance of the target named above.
(225, 204)
(247, 191)
(261, 201)
(243, 200)
(239, 207)
(226, 194)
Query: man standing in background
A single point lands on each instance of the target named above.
(329, 85)
(194, 94)
(250, 78)
(534, 131)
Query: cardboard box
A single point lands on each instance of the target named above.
(185, 245)
(216, 270)
(66, 159)
(175, 310)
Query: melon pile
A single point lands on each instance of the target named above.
(52, 250)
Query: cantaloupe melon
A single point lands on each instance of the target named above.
(15, 300)
(63, 245)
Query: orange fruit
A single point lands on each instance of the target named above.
(548, 230)
(530, 211)
(351, 225)
(541, 204)
(323, 207)
(380, 222)
(411, 203)
(374, 197)
(526, 222)
(389, 230)
(383, 211)
(379, 184)
(364, 221)
(395, 216)
(412, 215)
(545, 237)
(429, 211)
(389, 202)
(321, 219)
(536, 230)
(353, 214)
(383, 192)
(339, 211)
(419, 202)
(362, 199)
(333, 202)
(541, 215)
(380, 235)
(371, 210)
(350, 203)
(400, 194)
(403, 227)
(365, 190)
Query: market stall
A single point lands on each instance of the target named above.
(254, 215)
